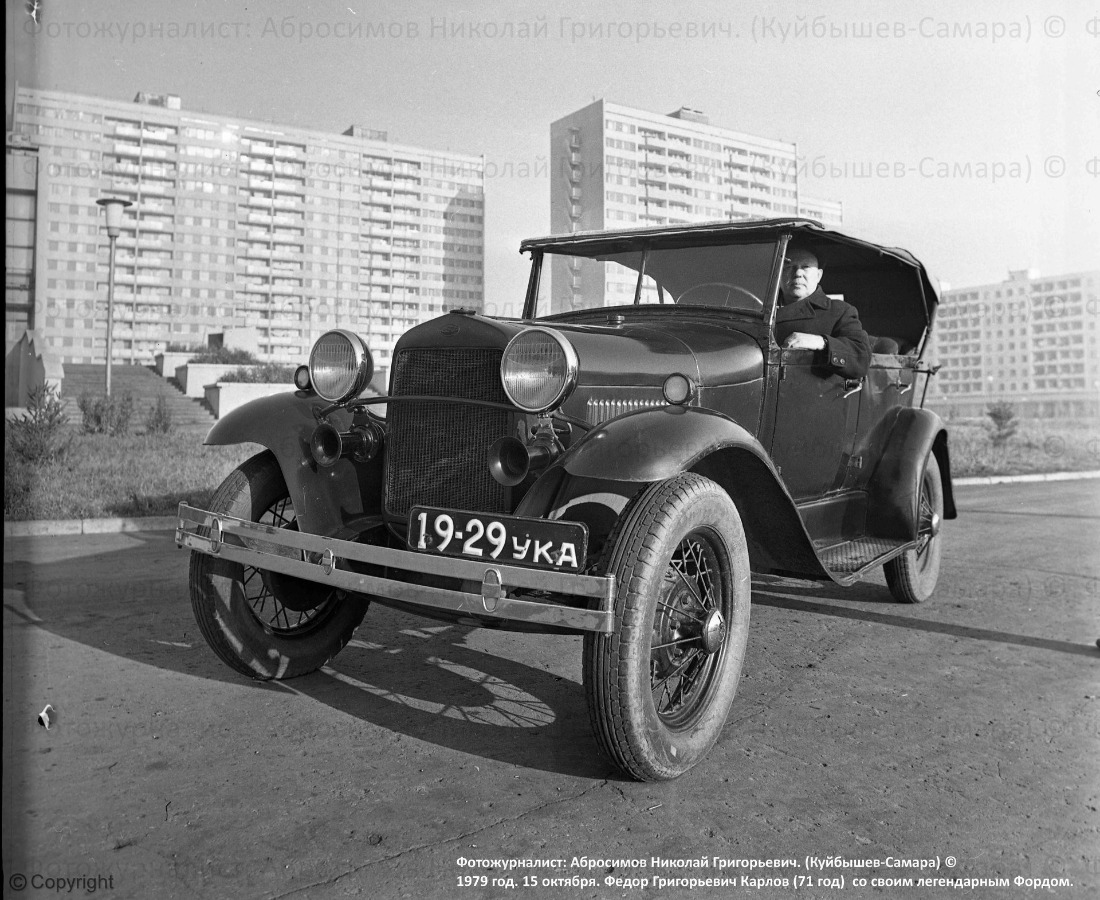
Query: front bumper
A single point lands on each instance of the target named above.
(315, 558)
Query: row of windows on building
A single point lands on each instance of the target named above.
(653, 134)
(219, 134)
(1043, 287)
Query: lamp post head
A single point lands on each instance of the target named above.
(114, 207)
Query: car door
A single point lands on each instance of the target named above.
(889, 384)
(815, 421)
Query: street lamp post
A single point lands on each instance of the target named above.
(114, 207)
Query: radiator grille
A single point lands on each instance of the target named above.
(436, 450)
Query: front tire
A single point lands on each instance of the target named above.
(912, 576)
(659, 687)
(262, 624)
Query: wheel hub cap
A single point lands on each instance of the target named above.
(714, 632)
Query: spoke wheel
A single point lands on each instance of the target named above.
(660, 685)
(284, 605)
(912, 576)
(260, 623)
(688, 628)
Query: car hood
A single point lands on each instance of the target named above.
(638, 354)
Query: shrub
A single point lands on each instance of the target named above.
(268, 373)
(159, 419)
(226, 356)
(1004, 423)
(106, 415)
(39, 434)
(185, 348)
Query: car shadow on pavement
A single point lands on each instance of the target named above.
(127, 595)
(425, 682)
(810, 602)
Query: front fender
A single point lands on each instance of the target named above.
(656, 444)
(894, 490)
(333, 502)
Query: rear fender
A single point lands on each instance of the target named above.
(615, 460)
(333, 502)
(894, 490)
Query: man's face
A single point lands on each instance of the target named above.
(801, 275)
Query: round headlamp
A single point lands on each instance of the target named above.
(340, 366)
(538, 370)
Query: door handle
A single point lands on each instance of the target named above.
(852, 386)
(902, 387)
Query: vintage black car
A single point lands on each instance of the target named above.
(617, 463)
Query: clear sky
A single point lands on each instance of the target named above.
(966, 133)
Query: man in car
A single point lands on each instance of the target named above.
(808, 319)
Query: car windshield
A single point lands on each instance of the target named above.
(733, 277)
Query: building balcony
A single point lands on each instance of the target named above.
(154, 277)
(288, 237)
(127, 149)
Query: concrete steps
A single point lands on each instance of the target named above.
(143, 384)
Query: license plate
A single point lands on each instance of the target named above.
(511, 540)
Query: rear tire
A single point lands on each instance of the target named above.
(240, 609)
(912, 576)
(659, 687)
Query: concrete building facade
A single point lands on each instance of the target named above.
(238, 223)
(20, 222)
(1031, 341)
(614, 166)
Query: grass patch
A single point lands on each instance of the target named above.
(104, 476)
(268, 373)
(1037, 446)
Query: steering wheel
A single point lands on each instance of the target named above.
(730, 289)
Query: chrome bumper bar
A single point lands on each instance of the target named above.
(315, 558)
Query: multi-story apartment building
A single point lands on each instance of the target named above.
(617, 167)
(20, 201)
(1030, 341)
(238, 223)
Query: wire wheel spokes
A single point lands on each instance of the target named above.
(688, 629)
(258, 593)
(927, 517)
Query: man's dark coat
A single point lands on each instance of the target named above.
(847, 347)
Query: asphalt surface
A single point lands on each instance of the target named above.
(961, 734)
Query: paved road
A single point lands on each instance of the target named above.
(966, 727)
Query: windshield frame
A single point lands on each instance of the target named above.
(770, 293)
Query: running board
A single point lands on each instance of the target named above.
(849, 561)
